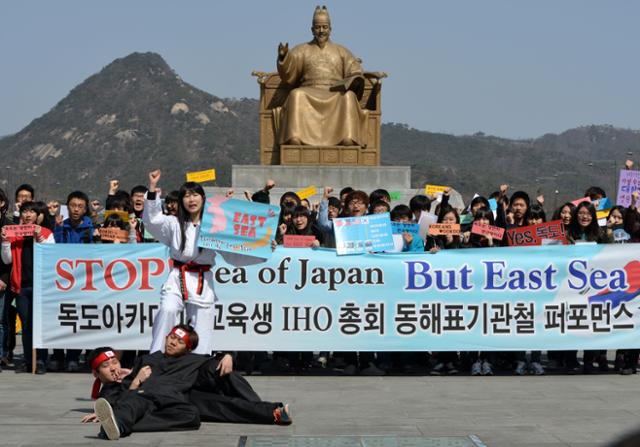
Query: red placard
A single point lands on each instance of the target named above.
(114, 234)
(536, 234)
(441, 229)
(496, 233)
(19, 231)
(298, 241)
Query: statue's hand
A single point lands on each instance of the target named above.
(283, 49)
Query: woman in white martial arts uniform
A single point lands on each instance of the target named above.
(190, 282)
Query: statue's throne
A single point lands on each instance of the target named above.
(274, 92)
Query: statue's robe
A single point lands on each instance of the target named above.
(323, 109)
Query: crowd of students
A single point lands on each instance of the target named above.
(139, 215)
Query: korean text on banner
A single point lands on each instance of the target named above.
(496, 233)
(358, 235)
(541, 234)
(238, 226)
(298, 241)
(93, 295)
(201, 176)
(114, 234)
(442, 229)
(18, 231)
(432, 190)
(405, 227)
(486, 299)
(629, 183)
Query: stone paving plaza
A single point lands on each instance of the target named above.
(502, 411)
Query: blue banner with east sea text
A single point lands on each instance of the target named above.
(493, 299)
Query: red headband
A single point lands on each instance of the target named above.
(183, 335)
(104, 356)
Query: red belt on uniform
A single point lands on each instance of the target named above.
(190, 267)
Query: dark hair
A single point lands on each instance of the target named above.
(380, 194)
(594, 191)
(26, 187)
(399, 211)
(345, 190)
(446, 210)
(519, 195)
(114, 220)
(193, 335)
(623, 211)
(420, 203)
(480, 199)
(96, 352)
(356, 195)
(79, 195)
(183, 215)
(139, 189)
(536, 212)
(120, 199)
(172, 196)
(5, 203)
(592, 232)
(484, 213)
(378, 203)
(335, 202)
(289, 197)
(558, 211)
(301, 211)
(284, 210)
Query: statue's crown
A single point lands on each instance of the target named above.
(321, 13)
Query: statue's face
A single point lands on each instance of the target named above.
(321, 30)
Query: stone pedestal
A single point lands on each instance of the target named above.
(327, 155)
(253, 177)
(396, 179)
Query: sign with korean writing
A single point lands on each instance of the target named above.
(443, 229)
(114, 234)
(540, 234)
(18, 231)
(93, 295)
(496, 233)
(201, 176)
(298, 241)
(493, 299)
(307, 192)
(629, 183)
(357, 235)
(238, 226)
(405, 227)
(432, 190)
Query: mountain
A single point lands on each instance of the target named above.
(137, 114)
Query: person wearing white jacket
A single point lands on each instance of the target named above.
(189, 286)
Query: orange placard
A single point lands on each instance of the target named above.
(114, 234)
(441, 229)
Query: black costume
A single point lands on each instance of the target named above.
(161, 402)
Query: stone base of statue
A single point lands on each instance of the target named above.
(327, 155)
(252, 178)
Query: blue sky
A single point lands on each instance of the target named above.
(508, 68)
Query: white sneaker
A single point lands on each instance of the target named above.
(107, 419)
(520, 369)
(476, 369)
(537, 369)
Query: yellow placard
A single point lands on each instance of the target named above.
(307, 192)
(123, 214)
(602, 214)
(432, 190)
(201, 176)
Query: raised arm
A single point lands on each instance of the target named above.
(159, 225)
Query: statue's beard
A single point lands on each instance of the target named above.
(322, 40)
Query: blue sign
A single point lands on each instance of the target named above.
(238, 226)
(363, 234)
